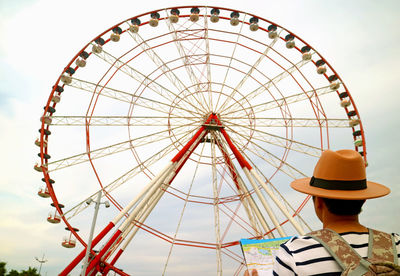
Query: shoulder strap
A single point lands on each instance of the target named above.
(340, 250)
(382, 247)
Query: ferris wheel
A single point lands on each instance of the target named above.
(191, 122)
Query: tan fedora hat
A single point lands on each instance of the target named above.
(340, 175)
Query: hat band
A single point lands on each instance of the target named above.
(338, 184)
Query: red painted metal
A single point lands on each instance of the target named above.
(81, 255)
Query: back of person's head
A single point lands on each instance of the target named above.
(342, 207)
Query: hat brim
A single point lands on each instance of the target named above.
(373, 190)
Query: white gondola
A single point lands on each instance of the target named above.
(354, 122)
(253, 27)
(272, 34)
(56, 99)
(68, 242)
(80, 62)
(153, 22)
(307, 56)
(38, 168)
(53, 217)
(46, 119)
(194, 17)
(97, 49)
(345, 103)
(214, 18)
(115, 37)
(133, 28)
(358, 142)
(44, 192)
(67, 79)
(173, 18)
(335, 85)
(321, 69)
(290, 44)
(234, 19)
(37, 142)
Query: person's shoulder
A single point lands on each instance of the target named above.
(298, 242)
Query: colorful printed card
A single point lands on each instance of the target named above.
(260, 254)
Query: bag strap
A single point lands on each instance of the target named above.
(341, 251)
(382, 247)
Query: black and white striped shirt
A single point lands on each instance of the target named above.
(304, 256)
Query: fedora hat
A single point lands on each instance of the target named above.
(340, 175)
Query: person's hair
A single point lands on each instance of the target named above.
(342, 207)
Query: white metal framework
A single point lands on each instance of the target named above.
(192, 122)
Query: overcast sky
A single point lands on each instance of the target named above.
(38, 37)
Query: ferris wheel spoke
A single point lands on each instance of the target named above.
(283, 142)
(116, 148)
(186, 200)
(286, 122)
(143, 80)
(123, 178)
(122, 120)
(303, 96)
(186, 54)
(272, 159)
(247, 200)
(283, 199)
(217, 226)
(261, 89)
(208, 66)
(251, 70)
(126, 97)
(174, 80)
(231, 59)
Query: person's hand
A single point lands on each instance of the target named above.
(253, 273)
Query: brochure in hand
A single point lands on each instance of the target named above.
(260, 254)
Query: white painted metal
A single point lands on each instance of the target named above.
(116, 148)
(89, 244)
(216, 207)
(264, 203)
(263, 88)
(146, 192)
(296, 225)
(251, 70)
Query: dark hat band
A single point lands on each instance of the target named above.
(338, 184)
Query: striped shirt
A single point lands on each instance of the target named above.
(304, 256)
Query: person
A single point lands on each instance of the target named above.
(339, 189)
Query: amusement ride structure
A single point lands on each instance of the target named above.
(190, 122)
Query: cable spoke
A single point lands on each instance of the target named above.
(164, 68)
(116, 148)
(126, 176)
(126, 97)
(122, 121)
(279, 141)
(285, 101)
(251, 70)
(286, 122)
(186, 57)
(253, 94)
(270, 158)
(231, 58)
(143, 79)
